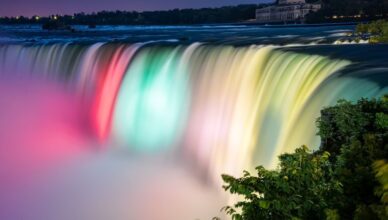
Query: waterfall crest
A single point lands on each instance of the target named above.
(222, 108)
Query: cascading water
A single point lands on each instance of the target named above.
(222, 108)
(162, 117)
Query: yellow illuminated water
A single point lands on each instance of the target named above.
(222, 108)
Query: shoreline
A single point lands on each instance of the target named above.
(273, 25)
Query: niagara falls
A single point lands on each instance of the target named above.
(193, 110)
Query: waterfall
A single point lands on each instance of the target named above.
(222, 108)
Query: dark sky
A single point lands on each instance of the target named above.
(47, 7)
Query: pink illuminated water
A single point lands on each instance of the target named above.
(52, 166)
(143, 132)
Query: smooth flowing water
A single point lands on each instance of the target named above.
(210, 107)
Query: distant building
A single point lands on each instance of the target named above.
(286, 11)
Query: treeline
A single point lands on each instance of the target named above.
(349, 10)
(332, 11)
(226, 14)
(347, 178)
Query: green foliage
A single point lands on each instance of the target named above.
(362, 28)
(332, 214)
(345, 179)
(356, 135)
(346, 122)
(381, 171)
(299, 189)
(377, 30)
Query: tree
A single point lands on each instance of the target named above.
(227, 14)
(381, 170)
(356, 135)
(347, 178)
(299, 189)
(376, 30)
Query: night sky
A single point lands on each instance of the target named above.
(48, 7)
